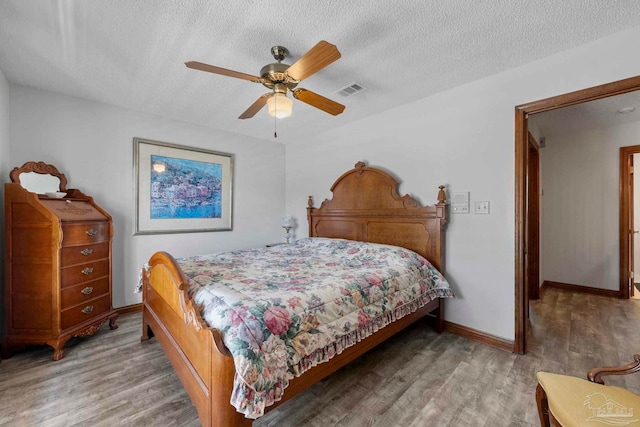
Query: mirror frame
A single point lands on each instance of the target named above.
(41, 168)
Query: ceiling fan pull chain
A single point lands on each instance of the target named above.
(275, 119)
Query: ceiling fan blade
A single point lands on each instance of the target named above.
(318, 57)
(318, 101)
(223, 71)
(256, 106)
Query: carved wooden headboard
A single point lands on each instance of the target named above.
(366, 206)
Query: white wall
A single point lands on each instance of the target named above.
(464, 138)
(4, 129)
(4, 144)
(92, 144)
(636, 216)
(4, 173)
(4, 147)
(580, 177)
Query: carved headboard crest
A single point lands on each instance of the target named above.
(361, 188)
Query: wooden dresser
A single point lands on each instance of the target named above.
(57, 264)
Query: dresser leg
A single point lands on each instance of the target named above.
(112, 321)
(6, 350)
(58, 348)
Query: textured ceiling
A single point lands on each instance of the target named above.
(131, 53)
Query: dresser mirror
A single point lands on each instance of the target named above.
(39, 178)
(39, 183)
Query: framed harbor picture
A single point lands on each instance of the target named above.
(181, 189)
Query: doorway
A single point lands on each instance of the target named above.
(629, 220)
(522, 195)
(635, 214)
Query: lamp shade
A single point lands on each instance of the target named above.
(288, 222)
(279, 105)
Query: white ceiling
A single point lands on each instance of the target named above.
(131, 53)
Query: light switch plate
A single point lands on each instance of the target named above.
(482, 207)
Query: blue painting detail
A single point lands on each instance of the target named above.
(185, 188)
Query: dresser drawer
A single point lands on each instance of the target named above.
(85, 311)
(79, 273)
(84, 292)
(85, 233)
(84, 253)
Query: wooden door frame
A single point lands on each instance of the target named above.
(626, 221)
(532, 258)
(521, 159)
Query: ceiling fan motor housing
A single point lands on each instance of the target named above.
(276, 73)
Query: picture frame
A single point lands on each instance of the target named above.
(181, 189)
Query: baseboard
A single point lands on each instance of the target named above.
(134, 308)
(578, 288)
(475, 335)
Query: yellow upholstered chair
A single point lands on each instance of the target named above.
(569, 401)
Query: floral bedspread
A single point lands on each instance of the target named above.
(285, 309)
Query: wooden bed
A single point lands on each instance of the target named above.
(366, 207)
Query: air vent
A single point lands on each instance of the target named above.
(350, 90)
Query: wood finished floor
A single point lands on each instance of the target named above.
(417, 378)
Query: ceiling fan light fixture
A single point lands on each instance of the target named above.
(280, 106)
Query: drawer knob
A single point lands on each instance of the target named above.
(86, 251)
(88, 309)
(92, 232)
(87, 290)
(87, 271)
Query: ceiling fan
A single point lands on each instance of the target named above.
(281, 78)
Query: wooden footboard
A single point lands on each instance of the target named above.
(196, 351)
